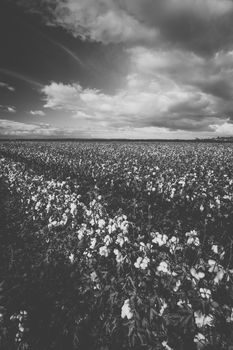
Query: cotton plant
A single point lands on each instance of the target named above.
(164, 267)
(119, 257)
(192, 238)
(142, 263)
(118, 262)
(202, 320)
(159, 239)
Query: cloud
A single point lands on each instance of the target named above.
(173, 89)
(21, 77)
(180, 64)
(13, 128)
(103, 21)
(39, 113)
(209, 77)
(7, 86)
(225, 129)
(141, 104)
(203, 26)
(11, 109)
(64, 49)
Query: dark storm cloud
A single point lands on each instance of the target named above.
(166, 63)
(203, 26)
(219, 88)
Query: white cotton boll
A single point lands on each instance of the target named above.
(202, 208)
(159, 238)
(48, 207)
(80, 235)
(144, 263)
(200, 340)
(163, 267)
(110, 230)
(21, 328)
(124, 226)
(126, 310)
(13, 317)
(173, 244)
(177, 286)
(202, 320)
(231, 317)
(119, 256)
(73, 209)
(120, 240)
(216, 268)
(142, 247)
(138, 262)
(219, 276)
(64, 219)
(163, 307)
(37, 206)
(205, 293)
(101, 223)
(213, 265)
(93, 276)
(71, 258)
(107, 240)
(215, 248)
(193, 241)
(166, 346)
(180, 303)
(92, 222)
(103, 251)
(192, 233)
(174, 240)
(53, 224)
(93, 243)
(198, 275)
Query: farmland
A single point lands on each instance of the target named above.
(116, 245)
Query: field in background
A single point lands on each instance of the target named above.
(116, 245)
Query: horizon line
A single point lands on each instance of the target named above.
(197, 139)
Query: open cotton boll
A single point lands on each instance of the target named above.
(126, 310)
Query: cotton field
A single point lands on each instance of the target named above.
(116, 245)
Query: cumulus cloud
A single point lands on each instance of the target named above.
(38, 113)
(180, 74)
(162, 90)
(156, 103)
(211, 76)
(7, 86)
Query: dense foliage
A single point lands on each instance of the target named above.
(116, 245)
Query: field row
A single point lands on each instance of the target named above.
(130, 245)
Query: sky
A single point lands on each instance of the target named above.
(116, 69)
